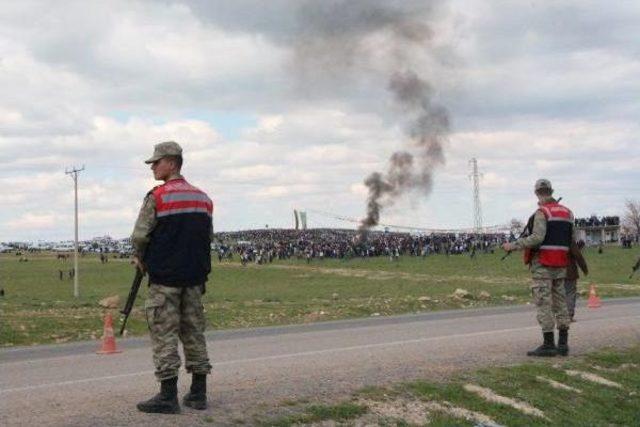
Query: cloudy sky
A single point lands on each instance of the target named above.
(286, 104)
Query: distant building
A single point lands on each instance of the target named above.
(594, 230)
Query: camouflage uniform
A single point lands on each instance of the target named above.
(173, 313)
(177, 313)
(547, 287)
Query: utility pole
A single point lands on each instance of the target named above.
(74, 174)
(477, 210)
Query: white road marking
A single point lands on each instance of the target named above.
(69, 356)
(276, 357)
(290, 355)
(80, 381)
(368, 346)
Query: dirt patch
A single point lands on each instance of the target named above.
(66, 313)
(490, 396)
(457, 412)
(411, 411)
(417, 412)
(593, 378)
(622, 367)
(619, 286)
(557, 385)
(314, 316)
(391, 275)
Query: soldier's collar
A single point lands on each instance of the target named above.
(174, 177)
(545, 200)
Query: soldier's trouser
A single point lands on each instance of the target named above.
(177, 314)
(571, 289)
(550, 300)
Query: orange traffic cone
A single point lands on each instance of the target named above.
(108, 337)
(594, 299)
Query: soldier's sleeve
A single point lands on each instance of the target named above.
(144, 225)
(536, 237)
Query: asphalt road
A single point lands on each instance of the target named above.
(255, 369)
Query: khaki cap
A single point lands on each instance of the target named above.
(164, 149)
(543, 183)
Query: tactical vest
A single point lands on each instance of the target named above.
(554, 250)
(179, 251)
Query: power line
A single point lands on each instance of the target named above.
(488, 229)
(74, 175)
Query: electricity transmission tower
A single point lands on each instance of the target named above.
(74, 174)
(477, 210)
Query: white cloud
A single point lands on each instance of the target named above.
(38, 221)
(358, 189)
(256, 172)
(533, 90)
(269, 124)
(272, 191)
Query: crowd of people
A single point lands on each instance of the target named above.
(626, 241)
(594, 221)
(263, 246)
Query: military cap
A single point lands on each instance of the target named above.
(164, 149)
(543, 183)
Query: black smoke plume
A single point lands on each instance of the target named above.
(427, 131)
(343, 41)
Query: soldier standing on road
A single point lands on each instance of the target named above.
(547, 253)
(172, 242)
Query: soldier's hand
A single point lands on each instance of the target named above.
(508, 247)
(138, 264)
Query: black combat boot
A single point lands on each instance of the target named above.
(197, 396)
(547, 349)
(165, 402)
(563, 342)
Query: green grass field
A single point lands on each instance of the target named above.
(557, 397)
(39, 308)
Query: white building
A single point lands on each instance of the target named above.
(596, 234)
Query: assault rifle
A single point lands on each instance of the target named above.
(635, 268)
(525, 231)
(131, 299)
